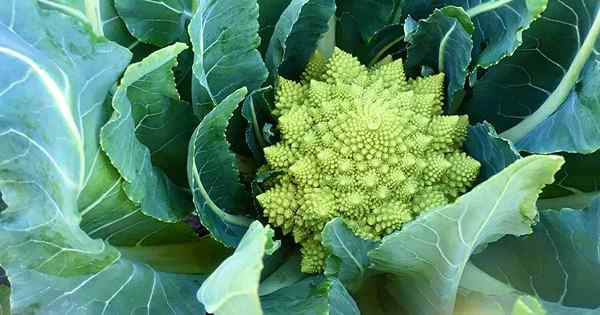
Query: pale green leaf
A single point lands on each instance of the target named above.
(57, 78)
(233, 287)
(430, 253)
(149, 115)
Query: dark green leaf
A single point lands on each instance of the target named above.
(157, 22)
(443, 42)
(499, 23)
(314, 295)
(427, 255)
(214, 177)
(574, 126)
(226, 55)
(577, 183)
(296, 36)
(269, 13)
(522, 91)
(492, 151)
(348, 260)
(369, 29)
(4, 294)
(257, 111)
(558, 263)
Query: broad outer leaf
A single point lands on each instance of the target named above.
(147, 90)
(492, 151)
(102, 17)
(157, 22)
(443, 42)
(558, 263)
(224, 35)
(522, 91)
(57, 76)
(428, 254)
(233, 287)
(296, 36)
(348, 260)
(499, 23)
(214, 177)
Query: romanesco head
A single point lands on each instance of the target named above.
(364, 145)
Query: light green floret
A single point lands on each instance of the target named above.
(364, 145)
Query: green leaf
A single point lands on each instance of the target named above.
(257, 109)
(500, 23)
(269, 13)
(313, 295)
(102, 17)
(348, 260)
(558, 263)
(523, 91)
(147, 109)
(219, 197)
(233, 287)
(443, 42)
(573, 127)
(492, 151)
(576, 183)
(157, 22)
(57, 77)
(226, 55)
(4, 294)
(286, 275)
(429, 253)
(370, 29)
(296, 36)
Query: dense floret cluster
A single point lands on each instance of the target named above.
(362, 144)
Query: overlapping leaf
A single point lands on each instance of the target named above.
(52, 106)
(492, 151)
(157, 22)
(233, 287)
(224, 36)
(430, 253)
(296, 36)
(213, 175)
(443, 42)
(150, 122)
(558, 263)
(499, 23)
(534, 87)
(348, 260)
(102, 17)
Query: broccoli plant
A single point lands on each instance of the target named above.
(362, 144)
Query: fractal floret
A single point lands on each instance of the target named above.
(365, 145)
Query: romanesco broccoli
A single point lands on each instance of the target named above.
(364, 145)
